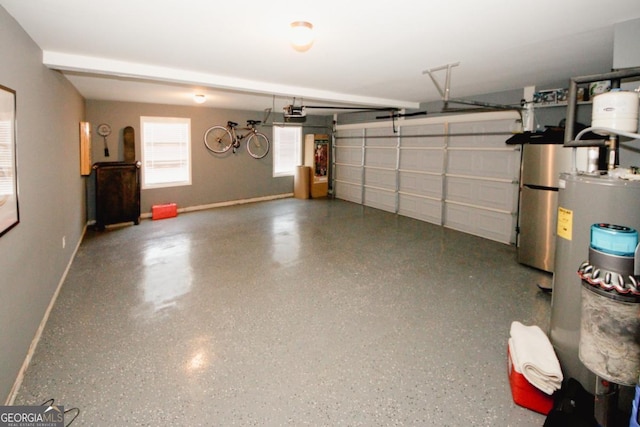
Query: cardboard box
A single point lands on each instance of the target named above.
(167, 210)
(596, 88)
(525, 394)
(301, 182)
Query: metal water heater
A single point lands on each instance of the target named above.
(583, 200)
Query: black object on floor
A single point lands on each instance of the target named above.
(573, 406)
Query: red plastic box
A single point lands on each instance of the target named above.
(525, 394)
(167, 210)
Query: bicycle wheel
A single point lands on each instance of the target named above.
(217, 139)
(258, 145)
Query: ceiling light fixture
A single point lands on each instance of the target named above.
(199, 98)
(301, 35)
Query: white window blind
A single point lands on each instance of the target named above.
(166, 151)
(6, 160)
(287, 150)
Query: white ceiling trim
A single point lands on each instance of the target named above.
(102, 66)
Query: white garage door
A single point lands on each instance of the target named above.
(381, 168)
(454, 171)
(348, 164)
(421, 175)
(482, 180)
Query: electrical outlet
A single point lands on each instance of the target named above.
(64, 241)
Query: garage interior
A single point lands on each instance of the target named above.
(386, 302)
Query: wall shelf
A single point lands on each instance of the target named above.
(559, 104)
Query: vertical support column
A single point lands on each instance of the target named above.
(614, 148)
(528, 114)
(332, 186)
(570, 122)
(362, 164)
(397, 189)
(443, 197)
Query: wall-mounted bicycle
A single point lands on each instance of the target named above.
(219, 139)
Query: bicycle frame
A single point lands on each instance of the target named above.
(236, 137)
(220, 139)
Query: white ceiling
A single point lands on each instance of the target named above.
(366, 53)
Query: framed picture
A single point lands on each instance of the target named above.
(9, 216)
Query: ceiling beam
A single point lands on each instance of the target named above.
(109, 67)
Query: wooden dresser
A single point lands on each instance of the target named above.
(117, 193)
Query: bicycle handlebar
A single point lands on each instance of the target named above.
(250, 123)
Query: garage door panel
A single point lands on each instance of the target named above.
(351, 174)
(349, 155)
(380, 157)
(434, 129)
(353, 137)
(422, 160)
(492, 164)
(421, 208)
(381, 137)
(380, 178)
(349, 192)
(388, 142)
(381, 131)
(489, 194)
(380, 199)
(488, 224)
(480, 134)
(419, 136)
(420, 184)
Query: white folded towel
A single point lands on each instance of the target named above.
(532, 355)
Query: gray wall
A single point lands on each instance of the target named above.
(51, 194)
(215, 178)
(626, 49)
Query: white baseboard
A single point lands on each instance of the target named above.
(228, 203)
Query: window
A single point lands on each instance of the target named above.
(166, 153)
(287, 150)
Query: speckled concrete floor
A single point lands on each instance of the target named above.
(290, 312)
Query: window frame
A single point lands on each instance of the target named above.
(143, 151)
